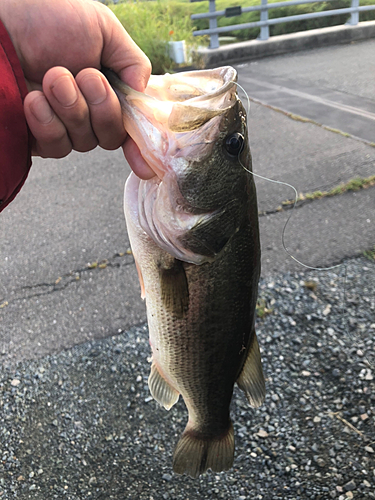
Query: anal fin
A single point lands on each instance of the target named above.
(160, 390)
(251, 379)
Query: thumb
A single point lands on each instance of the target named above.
(121, 53)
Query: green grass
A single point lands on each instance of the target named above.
(370, 254)
(352, 185)
(153, 24)
(262, 308)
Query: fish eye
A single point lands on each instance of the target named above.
(234, 144)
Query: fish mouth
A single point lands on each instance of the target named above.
(178, 116)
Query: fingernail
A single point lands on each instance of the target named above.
(93, 89)
(41, 110)
(64, 91)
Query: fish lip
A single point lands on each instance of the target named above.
(229, 81)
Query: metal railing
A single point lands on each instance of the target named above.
(265, 22)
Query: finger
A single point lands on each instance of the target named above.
(121, 53)
(104, 108)
(70, 106)
(51, 138)
(139, 166)
(136, 75)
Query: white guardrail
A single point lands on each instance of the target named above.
(264, 22)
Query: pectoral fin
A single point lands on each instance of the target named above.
(174, 288)
(251, 379)
(160, 390)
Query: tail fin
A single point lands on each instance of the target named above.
(195, 454)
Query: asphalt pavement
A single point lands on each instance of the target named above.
(66, 275)
(68, 217)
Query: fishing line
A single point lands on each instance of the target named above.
(286, 224)
(294, 204)
(247, 98)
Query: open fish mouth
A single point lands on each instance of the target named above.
(178, 116)
(177, 124)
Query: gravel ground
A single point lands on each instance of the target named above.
(82, 425)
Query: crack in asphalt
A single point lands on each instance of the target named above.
(283, 208)
(62, 282)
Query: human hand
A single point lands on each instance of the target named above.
(71, 104)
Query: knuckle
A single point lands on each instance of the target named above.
(54, 137)
(54, 151)
(76, 118)
(108, 146)
(83, 147)
(109, 136)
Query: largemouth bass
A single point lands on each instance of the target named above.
(194, 234)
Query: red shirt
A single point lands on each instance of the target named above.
(15, 137)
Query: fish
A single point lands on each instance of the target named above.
(194, 234)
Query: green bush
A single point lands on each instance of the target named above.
(152, 23)
(283, 28)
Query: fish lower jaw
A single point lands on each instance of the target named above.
(167, 232)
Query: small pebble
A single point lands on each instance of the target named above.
(80, 421)
(350, 486)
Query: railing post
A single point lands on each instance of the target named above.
(354, 16)
(214, 38)
(264, 30)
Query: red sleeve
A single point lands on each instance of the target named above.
(15, 137)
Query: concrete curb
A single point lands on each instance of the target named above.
(255, 49)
